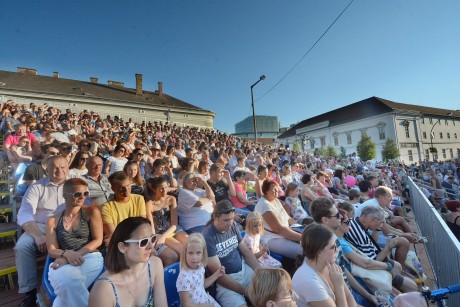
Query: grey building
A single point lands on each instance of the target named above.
(268, 127)
(26, 86)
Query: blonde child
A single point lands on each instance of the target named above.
(297, 212)
(191, 283)
(254, 229)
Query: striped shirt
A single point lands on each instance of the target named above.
(359, 237)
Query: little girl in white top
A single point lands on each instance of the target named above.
(254, 229)
(191, 283)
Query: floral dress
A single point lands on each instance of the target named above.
(253, 243)
(193, 282)
(298, 213)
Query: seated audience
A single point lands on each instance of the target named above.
(319, 281)
(272, 287)
(133, 276)
(72, 239)
(280, 238)
(123, 205)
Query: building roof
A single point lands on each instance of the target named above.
(62, 86)
(362, 109)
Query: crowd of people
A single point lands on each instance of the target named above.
(126, 199)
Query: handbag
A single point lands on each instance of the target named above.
(373, 279)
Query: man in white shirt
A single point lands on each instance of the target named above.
(40, 201)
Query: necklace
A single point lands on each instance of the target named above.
(69, 224)
(129, 290)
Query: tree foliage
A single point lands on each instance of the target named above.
(343, 152)
(366, 148)
(296, 147)
(326, 151)
(390, 150)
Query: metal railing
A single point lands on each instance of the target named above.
(443, 247)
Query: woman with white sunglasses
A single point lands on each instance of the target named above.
(133, 276)
(72, 238)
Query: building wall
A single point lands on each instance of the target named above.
(413, 141)
(124, 109)
(446, 137)
(267, 127)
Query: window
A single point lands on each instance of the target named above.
(424, 135)
(427, 154)
(451, 151)
(440, 135)
(381, 133)
(431, 120)
(453, 122)
(455, 135)
(444, 154)
(448, 135)
(411, 158)
(422, 120)
(336, 140)
(458, 152)
(323, 141)
(312, 143)
(447, 123)
(406, 128)
(348, 138)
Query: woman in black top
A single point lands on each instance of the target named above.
(72, 238)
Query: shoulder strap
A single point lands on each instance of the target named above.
(455, 221)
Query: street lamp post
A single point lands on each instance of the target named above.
(431, 132)
(253, 112)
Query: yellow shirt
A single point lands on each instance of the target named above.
(114, 212)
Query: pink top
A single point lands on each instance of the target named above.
(12, 139)
(235, 200)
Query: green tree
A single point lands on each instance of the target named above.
(296, 147)
(390, 150)
(343, 152)
(330, 151)
(366, 148)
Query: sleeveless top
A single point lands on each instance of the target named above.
(162, 220)
(149, 299)
(454, 227)
(73, 240)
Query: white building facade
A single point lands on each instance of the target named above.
(409, 126)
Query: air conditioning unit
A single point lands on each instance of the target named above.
(141, 111)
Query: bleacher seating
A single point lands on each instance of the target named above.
(171, 272)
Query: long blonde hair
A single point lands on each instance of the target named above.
(251, 219)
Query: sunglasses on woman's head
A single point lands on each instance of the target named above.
(78, 194)
(143, 242)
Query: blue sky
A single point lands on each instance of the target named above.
(208, 53)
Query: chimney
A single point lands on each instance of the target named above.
(28, 71)
(93, 79)
(138, 84)
(115, 83)
(160, 88)
(56, 75)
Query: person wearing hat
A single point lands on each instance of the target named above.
(225, 247)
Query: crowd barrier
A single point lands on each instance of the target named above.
(443, 247)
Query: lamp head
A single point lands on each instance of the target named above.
(262, 77)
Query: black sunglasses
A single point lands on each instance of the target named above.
(336, 216)
(226, 211)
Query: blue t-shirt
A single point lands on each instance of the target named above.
(346, 248)
(225, 246)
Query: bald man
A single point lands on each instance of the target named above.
(40, 201)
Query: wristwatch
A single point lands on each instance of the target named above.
(389, 267)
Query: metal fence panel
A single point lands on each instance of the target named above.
(442, 246)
